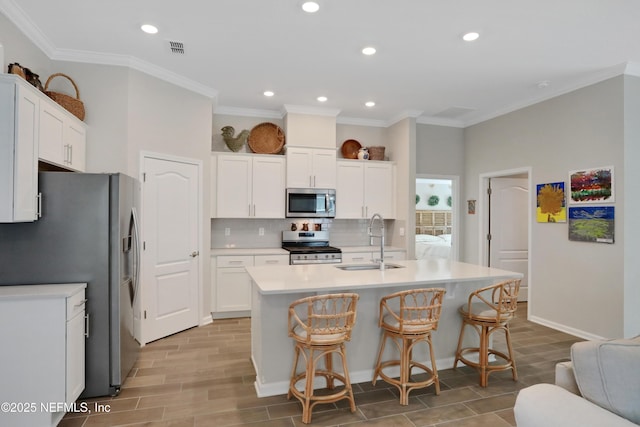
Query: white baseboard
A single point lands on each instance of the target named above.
(564, 328)
(282, 387)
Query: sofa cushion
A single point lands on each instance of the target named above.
(608, 374)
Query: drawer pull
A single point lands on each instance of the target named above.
(272, 261)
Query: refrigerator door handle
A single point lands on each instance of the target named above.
(136, 252)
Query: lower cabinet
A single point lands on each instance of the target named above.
(364, 257)
(231, 284)
(42, 362)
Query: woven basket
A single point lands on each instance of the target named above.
(71, 104)
(266, 138)
(376, 153)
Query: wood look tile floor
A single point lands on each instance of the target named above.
(204, 377)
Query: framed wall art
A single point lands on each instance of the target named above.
(592, 224)
(592, 185)
(551, 206)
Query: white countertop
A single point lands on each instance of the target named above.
(326, 277)
(40, 291)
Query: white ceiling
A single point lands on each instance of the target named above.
(237, 49)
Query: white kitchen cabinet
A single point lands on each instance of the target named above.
(271, 260)
(364, 257)
(62, 137)
(311, 168)
(356, 257)
(364, 188)
(248, 186)
(43, 356)
(231, 284)
(19, 130)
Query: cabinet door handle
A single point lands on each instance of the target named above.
(194, 254)
(70, 154)
(39, 201)
(81, 303)
(86, 325)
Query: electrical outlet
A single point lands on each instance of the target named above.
(261, 231)
(227, 231)
(401, 231)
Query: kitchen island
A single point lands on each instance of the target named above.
(276, 287)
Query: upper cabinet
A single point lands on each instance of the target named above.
(311, 168)
(32, 128)
(19, 130)
(365, 188)
(62, 137)
(248, 186)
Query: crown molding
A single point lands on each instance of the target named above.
(439, 121)
(626, 68)
(356, 121)
(305, 109)
(21, 20)
(247, 112)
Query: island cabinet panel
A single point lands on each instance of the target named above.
(311, 168)
(275, 288)
(42, 361)
(365, 188)
(248, 186)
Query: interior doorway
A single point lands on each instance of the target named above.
(437, 217)
(506, 223)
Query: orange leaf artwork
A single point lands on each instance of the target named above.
(551, 203)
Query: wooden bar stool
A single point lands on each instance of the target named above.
(320, 326)
(488, 310)
(408, 318)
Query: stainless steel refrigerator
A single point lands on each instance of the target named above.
(88, 232)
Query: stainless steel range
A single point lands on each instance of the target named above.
(310, 247)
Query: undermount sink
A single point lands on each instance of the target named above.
(358, 267)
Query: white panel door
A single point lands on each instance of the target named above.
(170, 205)
(509, 228)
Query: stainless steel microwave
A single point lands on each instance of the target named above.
(311, 203)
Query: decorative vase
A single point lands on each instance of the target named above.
(363, 154)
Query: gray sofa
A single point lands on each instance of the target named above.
(600, 387)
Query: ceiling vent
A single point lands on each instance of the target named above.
(176, 47)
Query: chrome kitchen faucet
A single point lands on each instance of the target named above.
(380, 236)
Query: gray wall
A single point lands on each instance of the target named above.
(631, 205)
(575, 286)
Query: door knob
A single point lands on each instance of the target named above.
(194, 254)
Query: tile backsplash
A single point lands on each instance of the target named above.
(267, 233)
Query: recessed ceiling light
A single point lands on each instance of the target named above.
(310, 6)
(149, 29)
(370, 104)
(268, 93)
(322, 98)
(369, 50)
(469, 37)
